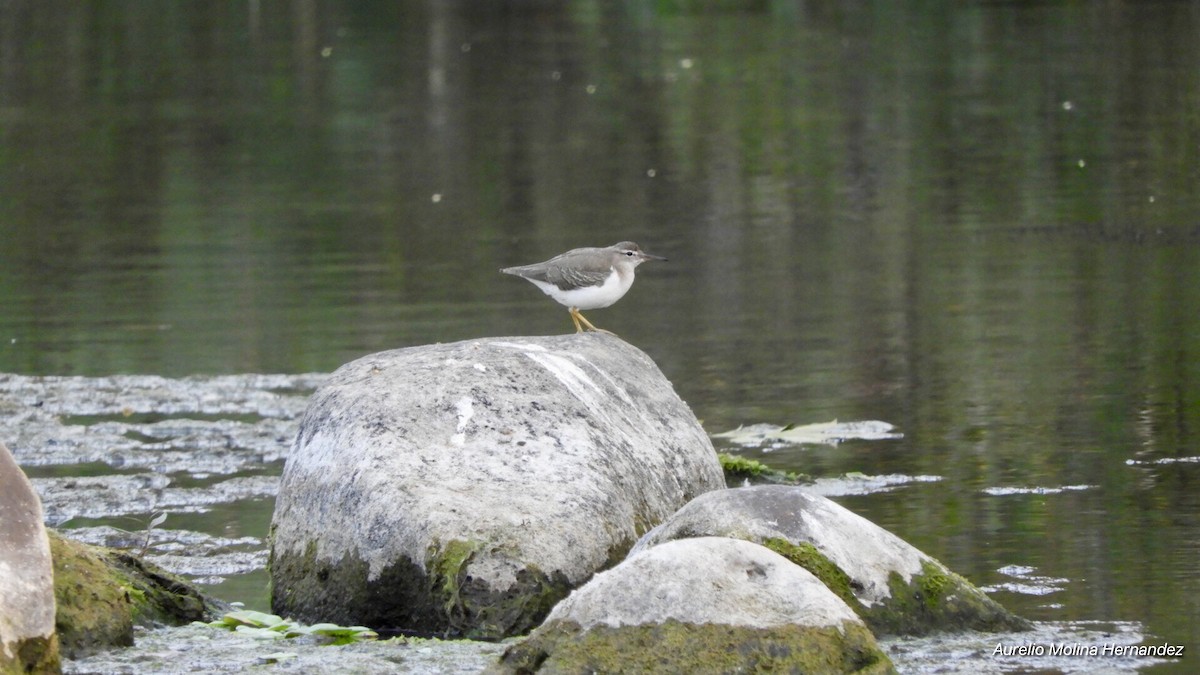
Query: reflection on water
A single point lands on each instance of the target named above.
(976, 223)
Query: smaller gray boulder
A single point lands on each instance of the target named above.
(28, 642)
(103, 593)
(893, 586)
(700, 605)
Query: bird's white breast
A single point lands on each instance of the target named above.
(590, 297)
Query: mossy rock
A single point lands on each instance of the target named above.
(706, 604)
(935, 599)
(677, 647)
(810, 558)
(32, 655)
(893, 587)
(561, 452)
(471, 609)
(938, 599)
(738, 469)
(103, 593)
(440, 598)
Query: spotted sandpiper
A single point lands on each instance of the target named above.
(586, 278)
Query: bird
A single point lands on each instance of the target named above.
(586, 278)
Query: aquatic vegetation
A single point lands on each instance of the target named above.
(273, 627)
(742, 467)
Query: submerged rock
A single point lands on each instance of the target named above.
(27, 639)
(707, 604)
(894, 587)
(463, 489)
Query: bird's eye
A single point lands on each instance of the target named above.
(629, 253)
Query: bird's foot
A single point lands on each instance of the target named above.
(580, 321)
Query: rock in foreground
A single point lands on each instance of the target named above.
(463, 489)
(27, 639)
(707, 604)
(896, 588)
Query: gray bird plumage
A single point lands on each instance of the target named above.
(586, 278)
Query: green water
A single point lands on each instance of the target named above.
(975, 221)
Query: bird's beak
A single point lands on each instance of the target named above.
(648, 256)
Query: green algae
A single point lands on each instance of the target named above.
(938, 599)
(439, 598)
(473, 609)
(94, 609)
(32, 655)
(313, 588)
(447, 564)
(810, 558)
(102, 593)
(935, 599)
(674, 646)
(741, 468)
(157, 597)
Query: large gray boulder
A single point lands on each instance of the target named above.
(28, 642)
(463, 489)
(895, 587)
(708, 604)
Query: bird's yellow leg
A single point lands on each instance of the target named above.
(576, 314)
(575, 317)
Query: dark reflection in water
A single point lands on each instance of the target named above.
(976, 222)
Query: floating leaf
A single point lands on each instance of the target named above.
(341, 635)
(256, 632)
(271, 626)
(822, 433)
(249, 617)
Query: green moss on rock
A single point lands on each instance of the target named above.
(447, 564)
(673, 646)
(810, 558)
(440, 598)
(938, 599)
(474, 610)
(935, 599)
(102, 593)
(738, 469)
(95, 610)
(158, 597)
(31, 655)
